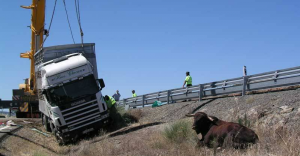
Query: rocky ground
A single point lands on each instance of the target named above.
(273, 108)
(276, 111)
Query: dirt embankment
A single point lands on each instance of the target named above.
(277, 111)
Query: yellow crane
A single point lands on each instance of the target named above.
(26, 95)
(37, 31)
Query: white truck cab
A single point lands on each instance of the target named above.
(70, 98)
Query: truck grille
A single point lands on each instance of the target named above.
(82, 115)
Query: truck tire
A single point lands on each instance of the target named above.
(43, 122)
(52, 128)
(46, 123)
(60, 141)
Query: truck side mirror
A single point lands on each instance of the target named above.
(102, 84)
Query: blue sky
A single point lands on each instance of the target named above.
(148, 45)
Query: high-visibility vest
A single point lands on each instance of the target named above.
(110, 102)
(134, 95)
(188, 80)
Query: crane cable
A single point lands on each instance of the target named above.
(78, 19)
(47, 34)
(69, 21)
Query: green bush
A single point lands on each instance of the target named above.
(178, 132)
(121, 110)
(244, 121)
(37, 153)
(121, 118)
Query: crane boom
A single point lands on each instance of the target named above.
(37, 31)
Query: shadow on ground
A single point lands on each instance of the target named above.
(202, 105)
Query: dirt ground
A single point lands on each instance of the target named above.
(138, 138)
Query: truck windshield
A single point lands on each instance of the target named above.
(74, 90)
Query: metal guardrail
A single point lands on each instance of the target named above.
(278, 78)
(8, 104)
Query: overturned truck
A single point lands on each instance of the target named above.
(69, 91)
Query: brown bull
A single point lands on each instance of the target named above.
(215, 131)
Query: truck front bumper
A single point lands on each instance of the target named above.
(67, 134)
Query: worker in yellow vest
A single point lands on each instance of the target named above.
(133, 93)
(113, 113)
(188, 80)
(110, 101)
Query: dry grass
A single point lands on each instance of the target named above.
(272, 142)
(275, 142)
(250, 100)
(168, 139)
(39, 153)
(179, 139)
(133, 115)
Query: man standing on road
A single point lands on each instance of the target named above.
(133, 93)
(188, 80)
(117, 95)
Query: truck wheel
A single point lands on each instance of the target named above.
(46, 123)
(59, 140)
(43, 122)
(52, 128)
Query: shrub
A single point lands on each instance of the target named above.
(250, 100)
(244, 121)
(121, 110)
(121, 118)
(133, 115)
(178, 132)
(39, 154)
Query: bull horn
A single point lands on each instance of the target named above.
(190, 115)
(210, 118)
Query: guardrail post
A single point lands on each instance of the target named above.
(135, 102)
(245, 71)
(275, 76)
(200, 92)
(245, 81)
(143, 100)
(213, 88)
(124, 103)
(168, 96)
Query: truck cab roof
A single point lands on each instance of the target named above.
(65, 69)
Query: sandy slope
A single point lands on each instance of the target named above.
(260, 109)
